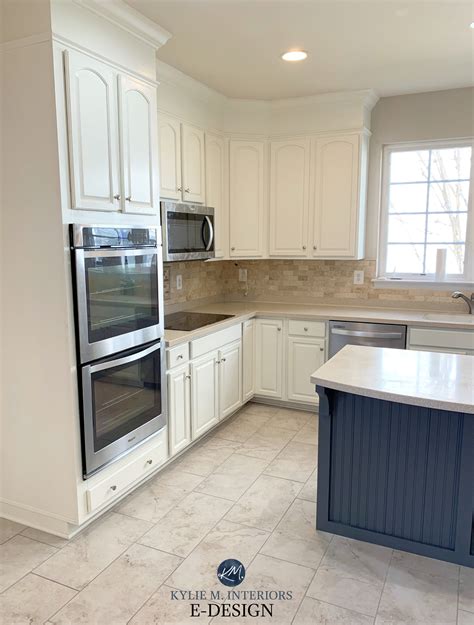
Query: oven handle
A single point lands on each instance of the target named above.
(117, 251)
(110, 364)
(211, 233)
(368, 335)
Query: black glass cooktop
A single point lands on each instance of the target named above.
(188, 321)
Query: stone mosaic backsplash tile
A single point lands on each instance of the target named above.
(299, 281)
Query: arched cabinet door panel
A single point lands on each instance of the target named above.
(93, 133)
(215, 190)
(170, 158)
(139, 140)
(193, 164)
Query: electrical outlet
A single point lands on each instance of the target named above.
(179, 282)
(242, 275)
(359, 277)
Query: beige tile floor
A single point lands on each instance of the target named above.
(247, 491)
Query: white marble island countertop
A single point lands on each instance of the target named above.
(419, 378)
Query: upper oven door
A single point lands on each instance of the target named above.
(119, 303)
(188, 231)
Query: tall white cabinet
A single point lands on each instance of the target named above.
(113, 147)
(289, 197)
(246, 218)
(216, 190)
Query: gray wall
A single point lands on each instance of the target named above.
(417, 117)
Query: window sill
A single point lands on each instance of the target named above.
(405, 283)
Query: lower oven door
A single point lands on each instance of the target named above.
(123, 403)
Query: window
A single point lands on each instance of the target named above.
(427, 206)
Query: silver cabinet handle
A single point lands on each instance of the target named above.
(179, 189)
(186, 190)
(222, 359)
(114, 487)
(117, 197)
(129, 198)
(150, 461)
(367, 335)
(180, 357)
(187, 377)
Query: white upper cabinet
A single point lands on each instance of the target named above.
(93, 133)
(289, 197)
(215, 190)
(139, 140)
(246, 198)
(338, 203)
(192, 153)
(170, 158)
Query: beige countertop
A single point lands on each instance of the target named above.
(247, 310)
(429, 379)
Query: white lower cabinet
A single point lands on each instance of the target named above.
(204, 393)
(447, 340)
(230, 379)
(179, 408)
(248, 359)
(305, 355)
(269, 358)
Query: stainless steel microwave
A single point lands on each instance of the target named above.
(188, 231)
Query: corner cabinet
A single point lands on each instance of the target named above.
(216, 190)
(289, 197)
(113, 146)
(339, 172)
(247, 208)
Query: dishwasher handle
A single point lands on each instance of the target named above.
(368, 335)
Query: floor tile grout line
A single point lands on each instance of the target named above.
(384, 582)
(54, 581)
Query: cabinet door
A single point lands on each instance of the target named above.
(335, 200)
(170, 157)
(230, 378)
(193, 163)
(139, 140)
(304, 357)
(269, 358)
(179, 409)
(215, 191)
(204, 394)
(289, 197)
(93, 133)
(246, 209)
(248, 359)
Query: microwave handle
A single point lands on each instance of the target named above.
(110, 364)
(211, 233)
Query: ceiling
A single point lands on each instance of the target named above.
(234, 46)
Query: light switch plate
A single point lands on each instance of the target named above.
(179, 282)
(242, 275)
(359, 277)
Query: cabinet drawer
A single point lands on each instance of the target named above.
(307, 328)
(177, 355)
(216, 340)
(109, 489)
(454, 339)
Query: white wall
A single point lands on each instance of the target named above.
(417, 117)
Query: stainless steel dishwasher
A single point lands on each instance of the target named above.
(372, 334)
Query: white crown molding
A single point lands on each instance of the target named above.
(124, 16)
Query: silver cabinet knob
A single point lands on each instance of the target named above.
(180, 357)
(315, 247)
(187, 377)
(150, 461)
(129, 198)
(117, 197)
(321, 349)
(218, 362)
(186, 190)
(222, 359)
(304, 247)
(305, 329)
(114, 487)
(179, 189)
(232, 249)
(279, 329)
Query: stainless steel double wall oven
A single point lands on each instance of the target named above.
(118, 292)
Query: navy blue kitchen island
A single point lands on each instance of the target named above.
(396, 450)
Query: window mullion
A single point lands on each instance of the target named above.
(426, 211)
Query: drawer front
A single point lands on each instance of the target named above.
(307, 328)
(109, 489)
(216, 340)
(177, 355)
(450, 339)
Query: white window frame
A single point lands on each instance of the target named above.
(404, 280)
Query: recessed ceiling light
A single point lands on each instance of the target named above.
(294, 55)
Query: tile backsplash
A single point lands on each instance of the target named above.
(299, 281)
